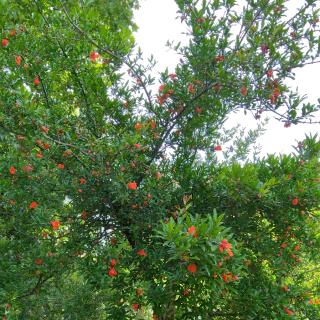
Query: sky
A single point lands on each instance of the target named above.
(157, 24)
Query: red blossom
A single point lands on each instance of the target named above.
(33, 205)
(161, 100)
(296, 248)
(113, 262)
(18, 60)
(198, 109)
(60, 166)
(191, 89)
(112, 272)
(288, 311)
(38, 261)
(135, 307)
(142, 253)
(227, 277)
(225, 245)
(132, 185)
(269, 73)
(94, 56)
(244, 91)
(295, 201)
(192, 268)
(219, 58)
(12, 170)
(82, 181)
(55, 224)
(162, 87)
(138, 126)
(27, 168)
(4, 42)
(217, 148)
(192, 231)
(36, 81)
(264, 48)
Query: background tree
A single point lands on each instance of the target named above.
(113, 203)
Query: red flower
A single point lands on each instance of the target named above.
(217, 148)
(161, 100)
(273, 99)
(112, 272)
(132, 185)
(288, 311)
(138, 126)
(4, 42)
(162, 87)
(186, 292)
(269, 73)
(12, 170)
(55, 224)
(18, 60)
(264, 48)
(46, 146)
(276, 92)
(295, 201)
(191, 89)
(225, 245)
(219, 58)
(60, 166)
(138, 145)
(172, 76)
(39, 155)
(153, 124)
(33, 205)
(297, 248)
(38, 261)
(113, 262)
(142, 253)
(227, 277)
(135, 307)
(192, 231)
(44, 129)
(36, 81)
(94, 56)
(192, 268)
(27, 168)
(244, 91)
(82, 181)
(198, 109)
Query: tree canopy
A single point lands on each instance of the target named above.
(113, 202)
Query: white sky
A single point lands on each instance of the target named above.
(157, 23)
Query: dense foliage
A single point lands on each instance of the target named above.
(113, 203)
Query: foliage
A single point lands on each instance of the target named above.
(113, 204)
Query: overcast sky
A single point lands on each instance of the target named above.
(157, 23)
